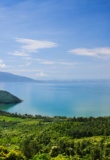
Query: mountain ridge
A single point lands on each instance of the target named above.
(9, 77)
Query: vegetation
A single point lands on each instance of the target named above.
(8, 98)
(27, 137)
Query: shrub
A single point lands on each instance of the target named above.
(42, 156)
(15, 155)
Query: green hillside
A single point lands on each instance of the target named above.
(8, 98)
(27, 137)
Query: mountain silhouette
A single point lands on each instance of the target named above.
(9, 77)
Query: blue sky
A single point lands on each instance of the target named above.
(52, 39)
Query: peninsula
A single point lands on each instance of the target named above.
(8, 98)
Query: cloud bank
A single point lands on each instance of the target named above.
(18, 53)
(91, 52)
(29, 45)
(2, 65)
(41, 74)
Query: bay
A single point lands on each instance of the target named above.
(76, 98)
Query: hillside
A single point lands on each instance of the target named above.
(8, 98)
(27, 137)
(8, 77)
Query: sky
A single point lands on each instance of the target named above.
(55, 39)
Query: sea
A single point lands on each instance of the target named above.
(78, 98)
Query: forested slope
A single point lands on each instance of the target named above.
(54, 138)
(8, 98)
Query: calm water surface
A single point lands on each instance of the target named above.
(63, 99)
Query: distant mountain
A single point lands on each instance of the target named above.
(8, 98)
(8, 77)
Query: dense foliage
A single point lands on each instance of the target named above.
(8, 98)
(27, 137)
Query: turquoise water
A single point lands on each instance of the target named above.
(61, 99)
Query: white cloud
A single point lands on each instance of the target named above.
(105, 51)
(27, 58)
(57, 62)
(67, 63)
(47, 62)
(44, 61)
(25, 70)
(41, 74)
(30, 45)
(2, 65)
(26, 64)
(19, 53)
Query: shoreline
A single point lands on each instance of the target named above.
(5, 113)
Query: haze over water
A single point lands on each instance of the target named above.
(80, 98)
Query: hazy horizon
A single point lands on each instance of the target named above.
(56, 80)
(55, 40)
